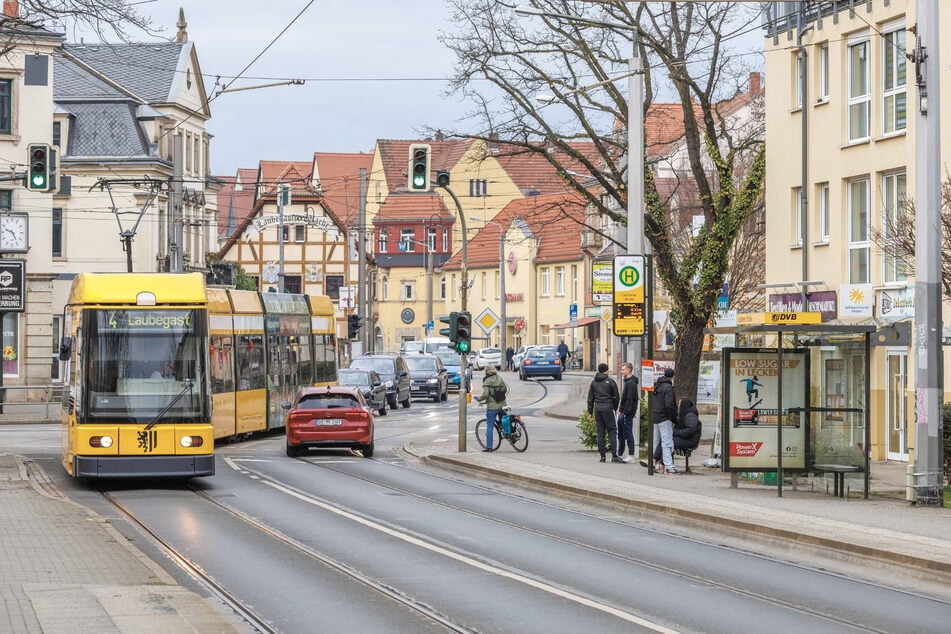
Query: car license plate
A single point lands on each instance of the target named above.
(328, 422)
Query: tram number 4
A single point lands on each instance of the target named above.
(148, 440)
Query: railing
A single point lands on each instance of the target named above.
(38, 401)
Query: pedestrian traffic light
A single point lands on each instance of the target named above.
(450, 332)
(38, 167)
(419, 164)
(463, 331)
(354, 324)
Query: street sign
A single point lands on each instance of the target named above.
(519, 324)
(573, 316)
(12, 286)
(488, 321)
(629, 273)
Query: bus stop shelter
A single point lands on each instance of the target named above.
(796, 397)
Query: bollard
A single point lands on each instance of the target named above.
(910, 483)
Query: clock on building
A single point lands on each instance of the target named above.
(13, 233)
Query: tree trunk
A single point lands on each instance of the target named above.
(688, 348)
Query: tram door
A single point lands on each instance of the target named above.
(896, 406)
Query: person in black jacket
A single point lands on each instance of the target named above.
(628, 412)
(665, 413)
(603, 401)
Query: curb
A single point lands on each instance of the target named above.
(911, 563)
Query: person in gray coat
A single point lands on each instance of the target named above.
(603, 401)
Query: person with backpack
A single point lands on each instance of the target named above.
(628, 411)
(603, 401)
(493, 395)
(665, 415)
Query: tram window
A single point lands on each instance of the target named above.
(250, 358)
(222, 364)
(306, 366)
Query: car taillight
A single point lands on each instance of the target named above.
(192, 441)
(557, 361)
(527, 362)
(100, 441)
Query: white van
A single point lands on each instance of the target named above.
(432, 344)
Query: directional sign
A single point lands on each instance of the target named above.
(488, 320)
(629, 272)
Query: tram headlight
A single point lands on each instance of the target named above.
(191, 441)
(100, 441)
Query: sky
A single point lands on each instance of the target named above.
(356, 57)
(373, 69)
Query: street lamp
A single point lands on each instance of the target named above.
(635, 147)
(501, 280)
(429, 270)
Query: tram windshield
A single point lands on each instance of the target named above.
(140, 362)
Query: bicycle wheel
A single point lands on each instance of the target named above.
(480, 435)
(519, 436)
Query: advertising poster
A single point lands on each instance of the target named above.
(751, 384)
(602, 282)
(708, 382)
(664, 333)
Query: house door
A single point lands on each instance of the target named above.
(895, 405)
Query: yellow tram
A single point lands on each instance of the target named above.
(159, 367)
(138, 400)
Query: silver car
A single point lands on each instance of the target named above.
(486, 357)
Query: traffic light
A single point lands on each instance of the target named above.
(450, 332)
(38, 167)
(354, 324)
(419, 162)
(463, 332)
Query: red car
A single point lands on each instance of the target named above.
(333, 416)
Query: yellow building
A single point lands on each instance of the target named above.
(848, 137)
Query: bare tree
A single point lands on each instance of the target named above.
(504, 62)
(896, 238)
(104, 18)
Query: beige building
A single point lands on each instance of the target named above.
(857, 166)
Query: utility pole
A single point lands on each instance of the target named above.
(280, 237)
(176, 230)
(363, 303)
(929, 358)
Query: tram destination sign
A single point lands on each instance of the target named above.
(12, 286)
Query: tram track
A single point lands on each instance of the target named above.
(693, 577)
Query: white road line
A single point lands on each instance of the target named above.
(478, 564)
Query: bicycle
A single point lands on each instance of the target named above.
(517, 436)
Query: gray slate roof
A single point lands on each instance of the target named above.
(146, 70)
(104, 130)
(74, 82)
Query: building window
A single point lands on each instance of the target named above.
(800, 76)
(300, 233)
(797, 223)
(485, 284)
(6, 106)
(57, 133)
(574, 282)
(332, 284)
(382, 248)
(893, 207)
(498, 286)
(546, 282)
(57, 234)
(894, 81)
(408, 293)
(431, 239)
(6, 199)
(823, 85)
(445, 241)
(384, 289)
(478, 187)
(824, 219)
(292, 284)
(560, 281)
(442, 287)
(859, 245)
(859, 96)
(408, 238)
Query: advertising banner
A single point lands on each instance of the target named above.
(602, 282)
(751, 390)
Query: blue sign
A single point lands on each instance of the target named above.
(573, 315)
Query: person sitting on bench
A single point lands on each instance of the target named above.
(687, 428)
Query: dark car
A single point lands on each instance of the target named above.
(452, 364)
(331, 416)
(541, 361)
(370, 383)
(428, 377)
(394, 373)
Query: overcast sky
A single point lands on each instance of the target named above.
(355, 44)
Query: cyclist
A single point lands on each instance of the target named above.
(494, 390)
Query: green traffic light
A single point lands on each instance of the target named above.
(419, 181)
(462, 346)
(38, 181)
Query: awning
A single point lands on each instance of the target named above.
(582, 321)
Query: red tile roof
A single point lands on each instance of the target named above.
(235, 200)
(338, 176)
(554, 220)
(394, 155)
(532, 171)
(295, 173)
(406, 206)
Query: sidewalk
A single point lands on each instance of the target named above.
(67, 570)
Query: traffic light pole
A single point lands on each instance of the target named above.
(463, 358)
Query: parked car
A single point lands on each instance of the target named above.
(452, 364)
(330, 416)
(541, 361)
(520, 354)
(393, 372)
(488, 356)
(428, 377)
(370, 383)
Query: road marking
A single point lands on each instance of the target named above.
(475, 563)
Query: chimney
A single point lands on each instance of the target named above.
(755, 83)
(11, 9)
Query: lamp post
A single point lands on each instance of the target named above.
(429, 271)
(504, 334)
(634, 236)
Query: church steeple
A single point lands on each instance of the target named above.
(182, 35)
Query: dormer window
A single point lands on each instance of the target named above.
(188, 79)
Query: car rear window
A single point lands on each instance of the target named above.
(327, 401)
(416, 363)
(380, 365)
(539, 352)
(490, 351)
(353, 378)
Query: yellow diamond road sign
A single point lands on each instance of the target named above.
(487, 320)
